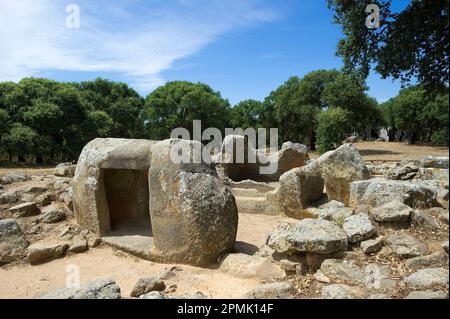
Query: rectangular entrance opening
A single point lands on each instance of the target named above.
(127, 195)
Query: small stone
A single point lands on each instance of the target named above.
(443, 217)
(12, 241)
(36, 189)
(337, 291)
(94, 241)
(406, 246)
(427, 294)
(277, 290)
(246, 266)
(79, 245)
(427, 278)
(44, 199)
(424, 220)
(320, 277)
(372, 245)
(42, 252)
(436, 259)
(25, 210)
(287, 265)
(53, 216)
(146, 285)
(8, 198)
(358, 228)
(13, 178)
(392, 212)
(344, 270)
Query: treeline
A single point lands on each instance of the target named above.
(48, 121)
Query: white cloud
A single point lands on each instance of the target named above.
(138, 39)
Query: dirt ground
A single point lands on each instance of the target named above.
(394, 151)
(26, 281)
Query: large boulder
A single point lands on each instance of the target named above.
(8, 198)
(299, 188)
(12, 241)
(194, 215)
(344, 270)
(427, 278)
(379, 191)
(392, 212)
(309, 235)
(358, 228)
(290, 156)
(404, 171)
(340, 168)
(97, 289)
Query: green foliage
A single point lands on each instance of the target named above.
(178, 104)
(247, 114)
(20, 140)
(408, 45)
(333, 124)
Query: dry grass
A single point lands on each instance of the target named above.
(394, 151)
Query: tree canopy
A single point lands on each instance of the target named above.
(408, 45)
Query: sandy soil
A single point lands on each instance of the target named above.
(26, 281)
(393, 151)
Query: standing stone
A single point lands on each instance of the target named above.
(194, 215)
(406, 246)
(340, 168)
(358, 228)
(299, 188)
(309, 235)
(12, 241)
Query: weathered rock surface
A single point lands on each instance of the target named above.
(194, 215)
(146, 285)
(344, 270)
(404, 171)
(299, 188)
(427, 278)
(278, 290)
(25, 210)
(53, 214)
(12, 241)
(13, 178)
(339, 168)
(392, 212)
(358, 228)
(338, 291)
(434, 260)
(41, 252)
(97, 289)
(8, 198)
(246, 266)
(290, 156)
(427, 294)
(152, 295)
(425, 220)
(309, 235)
(379, 191)
(44, 199)
(79, 245)
(434, 162)
(372, 245)
(406, 246)
(65, 169)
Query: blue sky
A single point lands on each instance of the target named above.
(242, 48)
